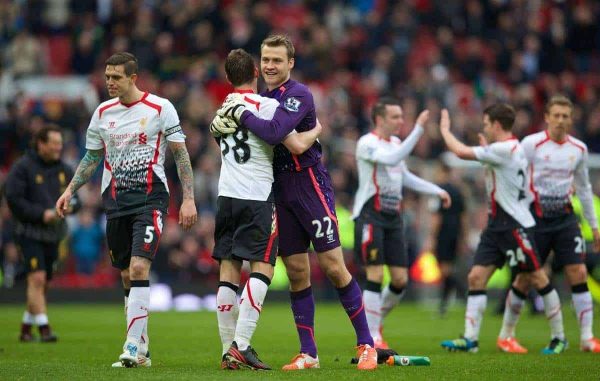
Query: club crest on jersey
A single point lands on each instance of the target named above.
(292, 104)
(143, 123)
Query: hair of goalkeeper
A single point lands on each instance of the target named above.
(240, 67)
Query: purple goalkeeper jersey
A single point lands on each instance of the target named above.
(296, 111)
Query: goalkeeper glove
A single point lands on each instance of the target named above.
(222, 126)
(233, 107)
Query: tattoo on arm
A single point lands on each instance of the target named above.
(86, 168)
(184, 169)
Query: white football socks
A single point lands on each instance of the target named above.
(227, 312)
(512, 311)
(476, 304)
(251, 303)
(137, 310)
(582, 301)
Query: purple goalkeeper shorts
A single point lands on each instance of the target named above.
(306, 211)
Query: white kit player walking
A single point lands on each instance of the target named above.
(509, 233)
(379, 227)
(557, 164)
(131, 133)
(246, 222)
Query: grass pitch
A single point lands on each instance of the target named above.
(186, 346)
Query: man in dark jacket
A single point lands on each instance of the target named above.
(33, 185)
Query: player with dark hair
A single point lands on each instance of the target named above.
(305, 202)
(246, 222)
(557, 164)
(32, 187)
(379, 237)
(509, 232)
(131, 132)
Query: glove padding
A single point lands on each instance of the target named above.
(223, 126)
(233, 107)
(382, 356)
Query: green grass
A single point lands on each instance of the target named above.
(186, 346)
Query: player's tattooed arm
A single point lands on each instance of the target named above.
(84, 172)
(184, 168)
(188, 215)
(86, 169)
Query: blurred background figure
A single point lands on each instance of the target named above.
(32, 187)
(448, 228)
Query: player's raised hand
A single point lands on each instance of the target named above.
(445, 121)
(63, 202)
(221, 125)
(188, 215)
(422, 118)
(446, 200)
(233, 107)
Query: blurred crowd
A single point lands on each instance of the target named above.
(461, 55)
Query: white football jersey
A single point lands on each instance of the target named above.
(506, 179)
(554, 170)
(134, 138)
(382, 173)
(247, 161)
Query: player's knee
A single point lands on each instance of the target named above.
(296, 272)
(337, 274)
(476, 280)
(399, 281)
(37, 279)
(577, 274)
(138, 270)
(539, 279)
(522, 282)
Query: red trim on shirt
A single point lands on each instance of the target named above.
(113, 183)
(536, 197)
(136, 102)
(321, 196)
(154, 161)
(244, 91)
(153, 105)
(105, 107)
(377, 196)
(582, 148)
(547, 139)
(514, 148)
(253, 102)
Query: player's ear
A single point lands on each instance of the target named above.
(133, 77)
(291, 62)
(255, 72)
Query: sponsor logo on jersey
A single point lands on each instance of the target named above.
(292, 104)
(112, 124)
(142, 138)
